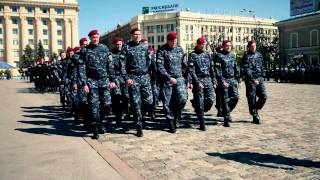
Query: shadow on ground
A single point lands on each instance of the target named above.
(267, 160)
(51, 120)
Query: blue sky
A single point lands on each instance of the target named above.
(104, 15)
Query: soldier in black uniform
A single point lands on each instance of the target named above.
(253, 68)
(97, 78)
(216, 89)
(137, 76)
(202, 72)
(61, 70)
(170, 62)
(228, 78)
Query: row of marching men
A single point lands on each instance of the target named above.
(131, 79)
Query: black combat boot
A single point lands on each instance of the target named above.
(256, 119)
(202, 124)
(139, 131)
(172, 126)
(226, 122)
(95, 132)
(219, 114)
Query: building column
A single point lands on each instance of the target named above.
(53, 36)
(74, 32)
(8, 41)
(23, 32)
(67, 34)
(37, 32)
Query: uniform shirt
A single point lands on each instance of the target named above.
(252, 66)
(226, 67)
(170, 62)
(95, 63)
(200, 66)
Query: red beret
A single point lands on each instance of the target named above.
(69, 50)
(251, 42)
(116, 39)
(93, 32)
(201, 40)
(134, 30)
(82, 40)
(172, 36)
(225, 42)
(77, 48)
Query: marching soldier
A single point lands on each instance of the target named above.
(228, 78)
(97, 78)
(170, 62)
(253, 68)
(203, 80)
(137, 76)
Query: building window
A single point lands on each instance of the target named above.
(30, 31)
(44, 10)
(0, 30)
(15, 31)
(14, 21)
(45, 22)
(30, 21)
(150, 29)
(15, 42)
(30, 41)
(59, 11)
(14, 8)
(60, 42)
(45, 42)
(0, 20)
(30, 9)
(170, 27)
(294, 40)
(1, 52)
(1, 41)
(59, 22)
(45, 31)
(59, 32)
(159, 28)
(314, 37)
(16, 53)
(151, 39)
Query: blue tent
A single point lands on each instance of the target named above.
(4, 65)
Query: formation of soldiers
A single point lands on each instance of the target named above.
(131, 79)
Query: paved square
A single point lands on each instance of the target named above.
(285, 146)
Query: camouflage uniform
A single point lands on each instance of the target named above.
(252, 65)
(96, 69)
(202, 71)
(170, 62)
(119, 95)
(226, 70)
(137, 58)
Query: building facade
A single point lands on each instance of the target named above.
(299, 37)
(22, 22)
(192, 25)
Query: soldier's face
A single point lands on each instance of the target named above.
(83, 44)
(118, 45)
(200, 46)
(63, 55)
(172, 43)
(94, 39)
(70, 54)
(227, 47)
(136, 36)
(253, 47)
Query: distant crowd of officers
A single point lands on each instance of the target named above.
(131, 79)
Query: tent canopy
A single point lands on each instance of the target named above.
(4, 65)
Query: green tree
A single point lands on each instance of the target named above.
(54, 56)
(27, 57)
(40, 54)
